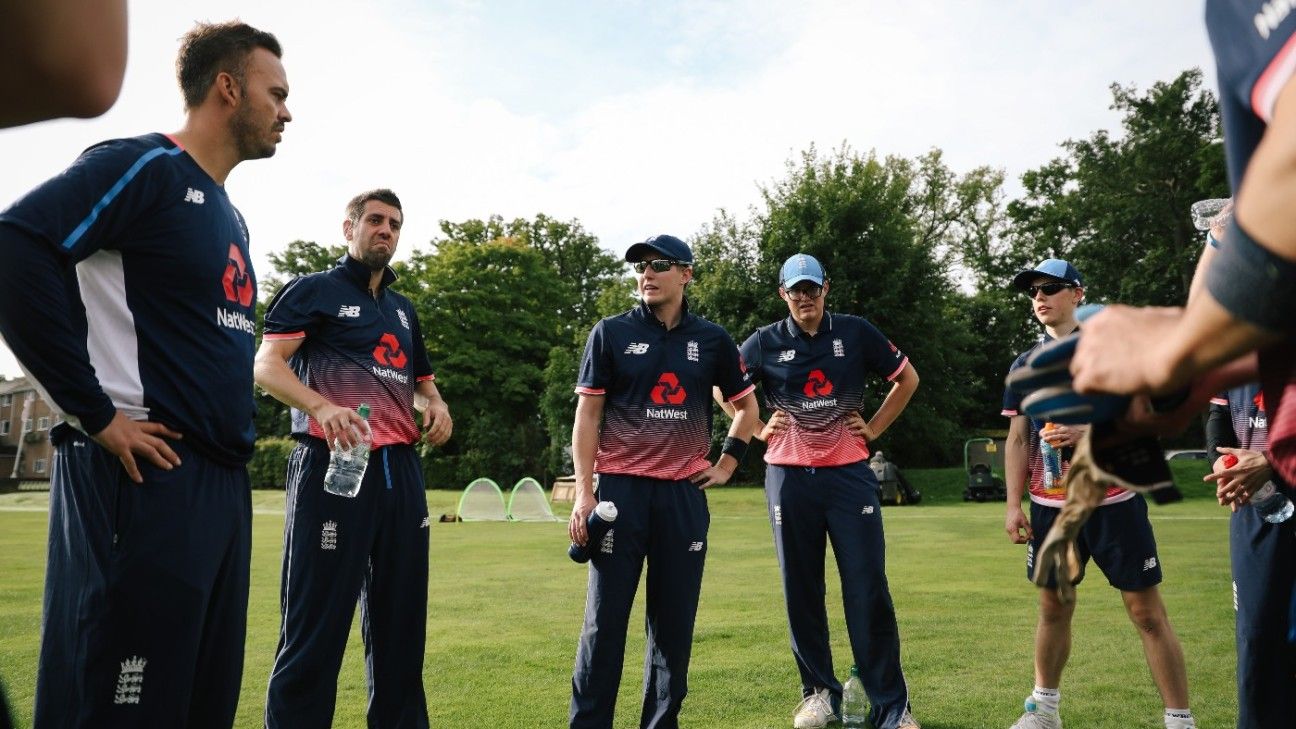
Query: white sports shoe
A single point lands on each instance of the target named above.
(814, 711)
(1035, 719)
(907, 721)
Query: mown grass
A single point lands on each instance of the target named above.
(505, 608)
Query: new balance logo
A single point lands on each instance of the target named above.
(867, 509)
(636, 348)
(328, 536)
(349, 312)
(194, 196)
(1149, 564)
(695, 547)
(130, 681)
(787, 355)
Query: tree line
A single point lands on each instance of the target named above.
(922, 251)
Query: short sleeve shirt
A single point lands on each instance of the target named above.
(657, 383)
(818, 381)
(358, 348)
(1056, 495)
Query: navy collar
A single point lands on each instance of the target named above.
(359, 273)
(646, 314)
(793, 329)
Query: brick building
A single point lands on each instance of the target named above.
(25, 422)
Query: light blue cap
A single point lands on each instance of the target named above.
(801, 267)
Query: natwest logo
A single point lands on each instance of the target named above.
(668, 390)
(388, 352)
(818, 385)
(237, 282)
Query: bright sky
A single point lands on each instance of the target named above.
(636, 117)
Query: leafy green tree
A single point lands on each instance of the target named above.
(489, 322)
(587, 284)
(1117, 204)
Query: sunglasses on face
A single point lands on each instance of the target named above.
(1049, 289)
(807, 292)
(660, 265)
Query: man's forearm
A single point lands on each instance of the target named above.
(895, 402)
(273, 375)
(585, 432)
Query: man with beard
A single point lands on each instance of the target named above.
(333, 341)
(128, 297)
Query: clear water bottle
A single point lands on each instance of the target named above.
(1052, 459)
(600, 521)
(346, 468)
(854, 704)
(1272, 504)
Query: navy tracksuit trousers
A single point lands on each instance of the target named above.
(146, 591)
(1263, 556)
(809, 506)
(665, 522)
(374, 547)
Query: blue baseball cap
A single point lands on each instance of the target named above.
(801, 267)
(667, 245)
(1051, 267)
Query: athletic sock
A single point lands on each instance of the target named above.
(1179, 719)
(1047, 699)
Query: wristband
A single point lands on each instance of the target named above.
(734, 447)
(1252, 283)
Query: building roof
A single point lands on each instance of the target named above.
(18, 384)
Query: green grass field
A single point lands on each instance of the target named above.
(506, 606)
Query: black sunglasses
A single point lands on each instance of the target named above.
(660, 265)
(1049, 289)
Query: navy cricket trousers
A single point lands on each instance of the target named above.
(807, 507)
(146, 591)
(374, 547)
(1263, 557)
(665, 522)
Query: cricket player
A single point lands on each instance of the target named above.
(333, 341)
(128, 294)
(643, 425)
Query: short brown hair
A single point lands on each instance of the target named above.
(211, 48)
(355, 208)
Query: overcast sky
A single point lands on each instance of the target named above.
(636, 117)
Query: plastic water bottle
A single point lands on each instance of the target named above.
(346, 467)
(1270, 503)
(600, 521)
(1052, 460)
(854, 704)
